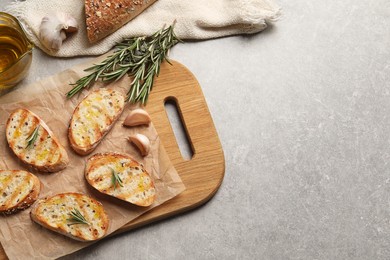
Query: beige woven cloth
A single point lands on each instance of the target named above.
(195, 19)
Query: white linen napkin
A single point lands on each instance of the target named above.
(195, 19)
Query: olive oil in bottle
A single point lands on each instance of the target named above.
(12, 46)
(15, 52)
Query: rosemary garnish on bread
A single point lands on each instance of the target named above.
(33, 137)
(139, 57)
(77, 218)
(116, 180)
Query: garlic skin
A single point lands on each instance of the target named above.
(142, 143)
(53, 29)
(137, 117)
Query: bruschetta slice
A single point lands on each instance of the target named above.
(93, 118)
(120, 176)
(18, 190)
(75, 215)
(34, 143)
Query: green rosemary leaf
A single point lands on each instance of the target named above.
(115, 179)
(77, 218)
(138, 57)
(32, 137)
(96, 66)
(108, 74)
(98, 74)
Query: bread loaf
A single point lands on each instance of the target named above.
(34, 143)
(104, 17)
(75, 215)
(93, 118)
(120, 176)
(18, 190)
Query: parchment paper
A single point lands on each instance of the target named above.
(20, 237)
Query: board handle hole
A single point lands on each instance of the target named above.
(175, 119)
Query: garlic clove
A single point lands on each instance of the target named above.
(141, 142)
(62, 35)
(137, 117)
(53, 29)
(69, 23)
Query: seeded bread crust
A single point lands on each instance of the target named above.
(104, 17)
(54, 213)
(93, 118)
(18, 190)
(46, 154)
(137, 186)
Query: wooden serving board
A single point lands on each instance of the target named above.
(203, 173)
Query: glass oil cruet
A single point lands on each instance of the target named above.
(15, 52)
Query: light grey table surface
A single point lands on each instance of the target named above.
(303, 115)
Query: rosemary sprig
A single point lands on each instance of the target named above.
(139, 57)
(115, 179)
(32, 137)
(77, 218)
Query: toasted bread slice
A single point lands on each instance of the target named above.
(93, 118)
(44, 152)
(57, 213)
(18, 190)
(120, 176)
